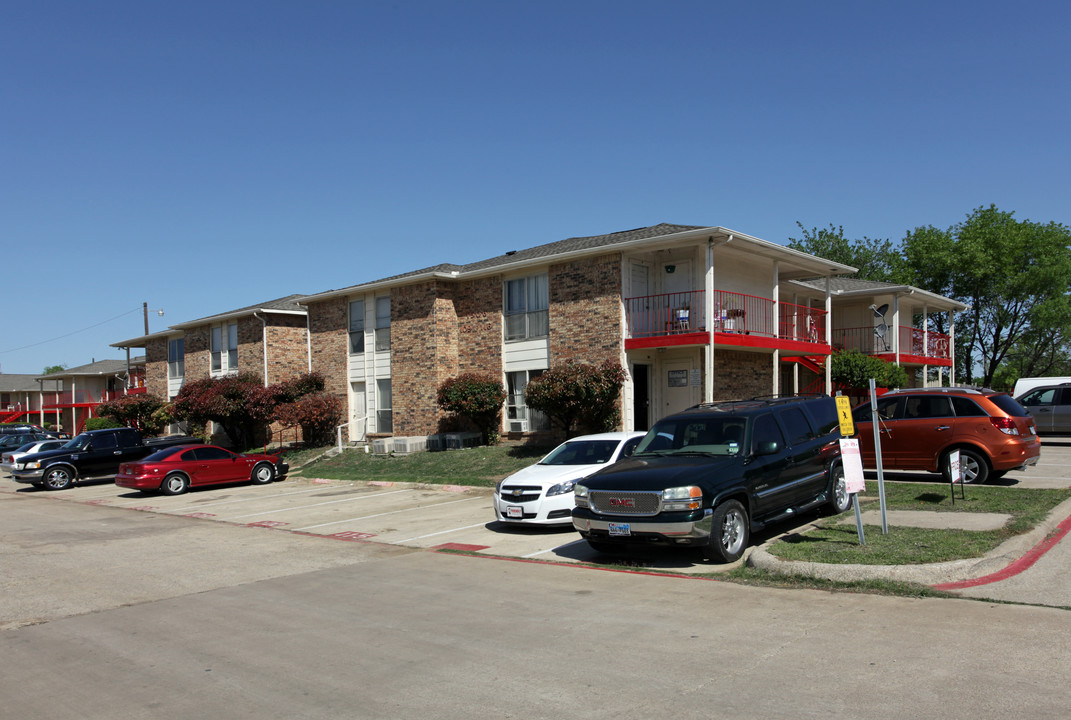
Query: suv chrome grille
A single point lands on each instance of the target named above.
(612, 502)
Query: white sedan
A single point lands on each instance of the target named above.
(11, 457)
(542, 494)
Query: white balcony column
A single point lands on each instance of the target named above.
(775, 309)
(708, 305)
(829, 334)
(896, 327)
(952, 347)
(926, 345)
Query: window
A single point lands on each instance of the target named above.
(928, 406)
(217, 341)
(384, 414)
(767, 430)
(525, 308)
(382, 324)
(357, 326)
(176, 358)
(521, 417)
(799, 430)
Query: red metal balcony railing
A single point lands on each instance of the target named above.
(673, 313)
(913, 341)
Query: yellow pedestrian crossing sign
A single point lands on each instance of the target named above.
(844, 412)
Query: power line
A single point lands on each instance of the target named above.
(75, 332)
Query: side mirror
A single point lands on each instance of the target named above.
(88, 447)
(768, 447)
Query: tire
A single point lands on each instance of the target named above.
(839, 499)
(175, 484)
(729, 533)
(59, 478)
(262, 474)
(974, 465)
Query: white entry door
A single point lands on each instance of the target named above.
(358, 411)
(677, 392)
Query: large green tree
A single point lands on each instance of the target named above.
(874, 259)
(1015, 276)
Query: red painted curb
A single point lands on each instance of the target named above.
(1019, 565)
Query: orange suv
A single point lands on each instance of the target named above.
(921, 426)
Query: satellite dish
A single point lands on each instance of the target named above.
(880, 312)
(881, 331)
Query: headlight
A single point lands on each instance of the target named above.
(562, 488)
(689, 497)
(498, 487)
(33, 465)
(580, 496)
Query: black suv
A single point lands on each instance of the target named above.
(707, 477)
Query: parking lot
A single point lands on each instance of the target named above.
(439, 517)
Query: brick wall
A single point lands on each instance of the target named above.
(329, 323)
(198, 353)
(287, 347)
(585, 310)
(424, 352)
(478, 306)
(740, 375)
(156, 367)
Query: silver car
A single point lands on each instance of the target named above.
(12, 457)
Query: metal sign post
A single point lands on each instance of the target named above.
(876, 421)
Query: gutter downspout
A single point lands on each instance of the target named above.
(264, 344)
(708, 385)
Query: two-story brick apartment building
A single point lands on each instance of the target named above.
(693, 313)
(269, 339)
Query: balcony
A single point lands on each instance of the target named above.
(916, 346)
(739, 320)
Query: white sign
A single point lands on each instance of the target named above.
(853, 465)
(954, 469)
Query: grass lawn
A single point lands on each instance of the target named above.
(836, 543)
(480, 467)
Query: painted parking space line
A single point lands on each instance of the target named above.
(319, 504)
(434, 534)
(392, 512)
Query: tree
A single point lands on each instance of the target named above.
(317, 414)
(477, 397)
(240, 404)
(852, 370)
(1014, 276)
(875, 259)
(53, 369)
(137, 411)
(579, 395)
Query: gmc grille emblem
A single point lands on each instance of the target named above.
(622, 502)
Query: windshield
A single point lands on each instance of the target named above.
(711, 436)
(78, 442)
(582, 452)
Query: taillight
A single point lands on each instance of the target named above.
(1005, 425)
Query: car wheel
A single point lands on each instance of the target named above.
(839, 499)
(606, 548)
(175, 484)
(58, 479)
(974, 465)
(263, 474)
(729, 532)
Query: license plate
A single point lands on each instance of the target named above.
(514, 511)
(620, 529)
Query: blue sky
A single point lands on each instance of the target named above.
(206, 156)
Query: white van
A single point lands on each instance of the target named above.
(1025, 385)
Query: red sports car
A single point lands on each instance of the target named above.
(174, 470)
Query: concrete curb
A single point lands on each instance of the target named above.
(934, 574)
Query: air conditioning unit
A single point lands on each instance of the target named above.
(518, 426)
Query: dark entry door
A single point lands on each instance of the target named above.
(641, 396)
